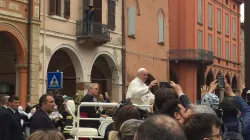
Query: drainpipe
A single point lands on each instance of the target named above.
(123, 52)
(44, 37)
(29, 45)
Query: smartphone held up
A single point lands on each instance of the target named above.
(221, 83)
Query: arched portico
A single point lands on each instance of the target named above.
(13, 56)
(104, 71)
(66, 59)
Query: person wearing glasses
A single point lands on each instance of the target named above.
(90, 111)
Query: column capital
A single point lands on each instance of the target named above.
(21, 66)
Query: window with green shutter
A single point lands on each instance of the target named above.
(111, 14)
(131, 21)
(67, 9)
(160, 30)
(52, 10)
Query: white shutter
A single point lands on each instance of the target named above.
(227, 51)
(199, 39)
(160, 30)
(219, 20)
(218, 46)
(226, 27)
(210, 41)
(200, 11)
(131, 21)
(234, 28)
(210, 15)
(234, 53)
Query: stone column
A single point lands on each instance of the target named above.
(17, 81)
(23, 73)
(221, 94)
(34, 63)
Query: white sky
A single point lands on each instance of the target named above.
(242, 12)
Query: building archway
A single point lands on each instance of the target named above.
(228, 79)
(65, 59)
(13, 58)
(104, 72)
(234, 84)
(217, 91)
(209, 78)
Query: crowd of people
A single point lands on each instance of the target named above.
(172, 117)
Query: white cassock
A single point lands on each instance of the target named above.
(139, 93)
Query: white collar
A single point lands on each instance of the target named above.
(5, 106)
(140, 80)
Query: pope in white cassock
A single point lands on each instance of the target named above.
(138, 92)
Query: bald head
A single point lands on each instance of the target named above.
(160, 127)
(142, 74)
(5, 100)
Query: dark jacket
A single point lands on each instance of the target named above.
(108, 129)
(245, 113)
(11, 128)
(40, 121)
(89, 15)
(89, 112)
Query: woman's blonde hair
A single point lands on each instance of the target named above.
(127, 130)
(46, 135)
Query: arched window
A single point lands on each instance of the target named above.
(161, 17)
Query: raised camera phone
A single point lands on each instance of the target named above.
(221, 83)
(165, 85)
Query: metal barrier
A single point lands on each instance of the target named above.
(77, 119)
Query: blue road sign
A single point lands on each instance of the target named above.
(54, 80)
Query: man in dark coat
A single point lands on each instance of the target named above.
(11, 128)
(90, 112)
(40, 120)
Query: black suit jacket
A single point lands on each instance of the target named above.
(89, 112)
(11, 128)
(41, 121)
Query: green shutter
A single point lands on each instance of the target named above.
(67, 9)
(160, 30)
(52, 7)
(131, 21)
(111, 14)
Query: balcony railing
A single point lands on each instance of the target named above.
(93, 30)
(199, 55)
(239, 1)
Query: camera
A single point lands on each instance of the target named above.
(165, 85)
(221, 83)
(143, 113)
